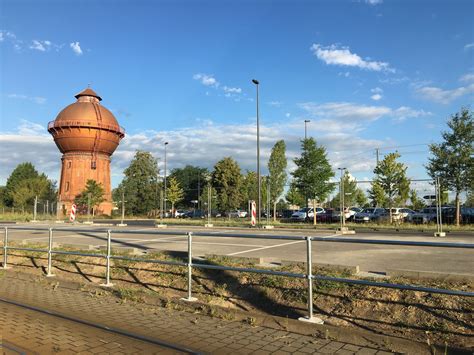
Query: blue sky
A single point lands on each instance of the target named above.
(367, 74)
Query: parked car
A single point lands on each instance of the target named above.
(305, 214)
(426, 215)
(237, 214)
(195, 214)
(353, 211)
(179, 213)
(287, 213)
(448, 215)
(407, 214)
(369, 215)
(328, 216)
(347, 214)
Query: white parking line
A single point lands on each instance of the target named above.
(267, 247)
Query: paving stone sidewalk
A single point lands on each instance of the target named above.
(198, 332)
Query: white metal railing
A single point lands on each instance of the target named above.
(309, 276)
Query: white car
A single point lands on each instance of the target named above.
(305, 214)
(237, 214)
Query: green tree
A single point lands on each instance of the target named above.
(26, 190)
(249, 188)
(192, 180)
(174, 193)
(416, 203)
(23, 171)
(227, 180)
(140, 184)
(93, 193)
(390, 185)
(313, 172)
(451, 160)
(277, 169)
(353, 195)
(294, 196)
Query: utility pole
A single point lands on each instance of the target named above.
(166, 143)
(123, 208)
(377, 155)
(305, 129)
(88, 207)
(259, 212)
(34, 211)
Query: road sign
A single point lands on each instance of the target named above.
(72, 216)
(253, 220)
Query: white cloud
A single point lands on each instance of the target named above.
(469, 46)
(76, 48)
(377, 94)
(467, 77)
(232, 90)
(344, 116)
(373, 2)
(41, 46)
(439, 95)
(275, 103)
(36, 99)
(202, 144)
(345, 111)
(342, 56)
(207, 80)
(403, 112)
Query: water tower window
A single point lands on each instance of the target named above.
(69, 165)
(93, 165)
(67, 186)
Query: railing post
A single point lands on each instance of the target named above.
(50, 248)
(309, 275)
(5, 249)
(107, 270)
(190, 298)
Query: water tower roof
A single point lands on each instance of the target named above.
(88, 92)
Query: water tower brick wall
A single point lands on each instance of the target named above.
(76, 170)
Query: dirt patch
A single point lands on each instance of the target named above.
(429, 318)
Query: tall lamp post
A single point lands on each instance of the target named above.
(164, 187)
(306, 129)
(341, 198)
(258, 158)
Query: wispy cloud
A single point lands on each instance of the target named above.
(436, 94)
(41, 46)
(209, 80)
(35, 44)
(467, 77)
(342, 56)
(374, 2)
(377, 94)
(275, 103)
(350, 116)
(469, 46)
(232, 90)
(36, 99)
(76, 48)
(206, 79)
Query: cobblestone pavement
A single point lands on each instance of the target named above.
(201, 333)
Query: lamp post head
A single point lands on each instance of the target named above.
(166, 143)
(307, 121)
(255, 81)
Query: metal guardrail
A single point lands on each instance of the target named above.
(190, 265)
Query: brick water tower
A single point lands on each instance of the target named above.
(87, 134)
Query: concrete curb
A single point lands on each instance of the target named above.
(415, 274)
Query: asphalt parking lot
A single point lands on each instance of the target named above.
(369, 257)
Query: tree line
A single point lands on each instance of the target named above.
(313, 179)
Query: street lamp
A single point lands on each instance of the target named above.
(305, 128)
(258, 158)
(341, 198)
(164, 188)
